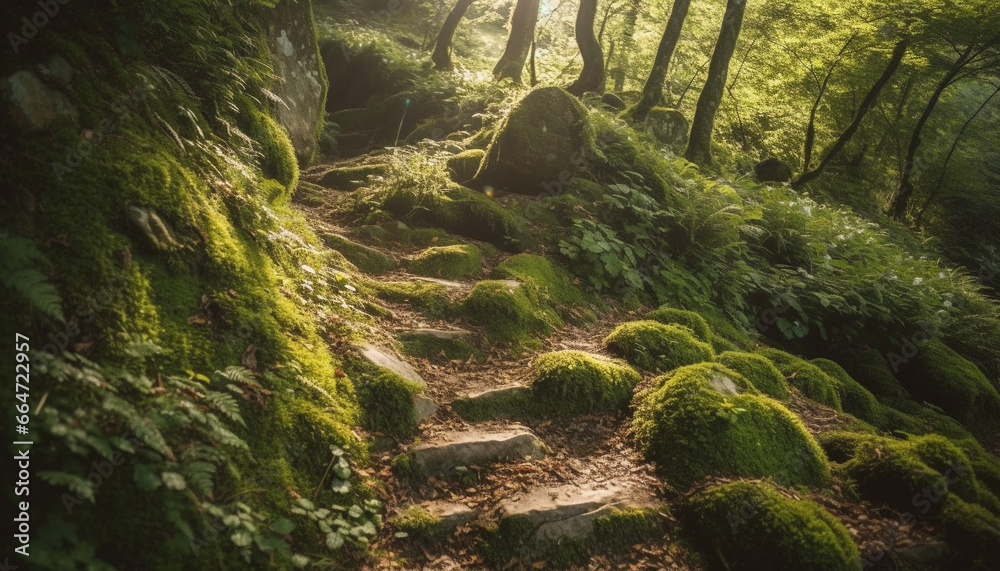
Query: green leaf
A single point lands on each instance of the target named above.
(241, 538)
(334, 541)
(282, 526)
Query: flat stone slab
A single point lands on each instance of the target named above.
(451, 515)
(423, 407)
(570, 511)
(449, 334)
(381, 358)
(444, 453)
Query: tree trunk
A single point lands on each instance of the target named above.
(866, 104)
(699, 150)
(442, 48)
(626, 45)
(652, 93)
(811, 128)
(905, 189)
(592, 76)
(522, 32)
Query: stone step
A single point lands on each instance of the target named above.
(443, 453)
(447, 334)
(451, 515)
(491, 404)
(570, 511)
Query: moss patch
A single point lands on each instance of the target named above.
(553, 281)
(869, 368)
(672, 316)
(463, 166)
(855, 399)
(512, 316)
(621, 529)
(419, 524)
(653, 346)
(808, 378)
(516, 404)
(692, 425)
(574, 382)
(366, 259)
(759, 370)
(941, 376)
(350, 178)
(430, 347)
(972, 535)
(448, 262)
(429, 298)
(747, 523)
(386, 401)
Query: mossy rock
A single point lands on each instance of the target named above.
(574, 382)
(939, 375)
(541, 142)
(350, 178)
(448, 262)
(553, 281)
(429, 298)
(430, 347)
(706, 419)
(689, 319)
(418, 523)
(668, 126)
(855, 398)
(620, 530)
(511, 314)
(461, 211)
(972, 534)
(653, 346)
(368, 260)
(808, 378)
(386, 401)
(463, 166)
(870, 369)
(759, 370)
(750, 523)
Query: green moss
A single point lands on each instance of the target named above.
(692, 425)
(430, 347)
(757, 369)
(855, 399)
(463, 166)
(512, 538)
(511, 315)
(689, 319)
(366, 259)
(621, 529)
(448, 262)
(514, 404)
(279, 160)
(808, 378)
(350, 178)
(972, 535)
(386, 401)
(419, 524)
(574, 382)
(747, 523)
(841, 445)
(889, 471)
(869, 368)
(402, 466)
(653, 346)
(941, 376)
(553, 281)
(430, 298)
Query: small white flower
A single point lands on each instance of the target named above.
(941, 275)
(808, 210)
(947, 303)
(918, 281)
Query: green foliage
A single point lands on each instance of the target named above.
(448, 262)
(574, 382)
(366, 259)
(808, 378)
(511, 315)
(745, 523)
(355, 524)
(706, 419)
(972, 534)
(18, 275)
(759, 370)
(653, 346)
(870, 369)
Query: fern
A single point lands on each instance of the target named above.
(16, 257)
(237, 374)
(79, 486)
(226, 405)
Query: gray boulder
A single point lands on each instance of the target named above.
(669, 126)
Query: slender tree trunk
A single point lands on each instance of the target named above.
(947, 159)
(531, 66)
(866, 105)
(652, 92)
(699, 150)
(592, 76)
(442, 48)
(811, 128)
(522, 33)
(625, 45)
(905, 189)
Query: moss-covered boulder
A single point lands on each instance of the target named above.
(869, 367)
(461, 211)
(387, 402)
(939, 375)
(751, 525)
(574, 382)
(429, 346)
(972, 534)
(553, 281)
(854, 398)
(759, 370)
(654, 346)
(808, 378)
(429, 298)
(448, 262)
(541, 143)
(348, 178)
(669, 126)
(368, 260)
(706, 419)
(689, 319)
(463, 166)
(511, 314)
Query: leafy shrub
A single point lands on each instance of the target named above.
(653, 346)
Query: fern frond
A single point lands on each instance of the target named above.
(225, 404)
(237, 374)
(34, 287)
(79, 486)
